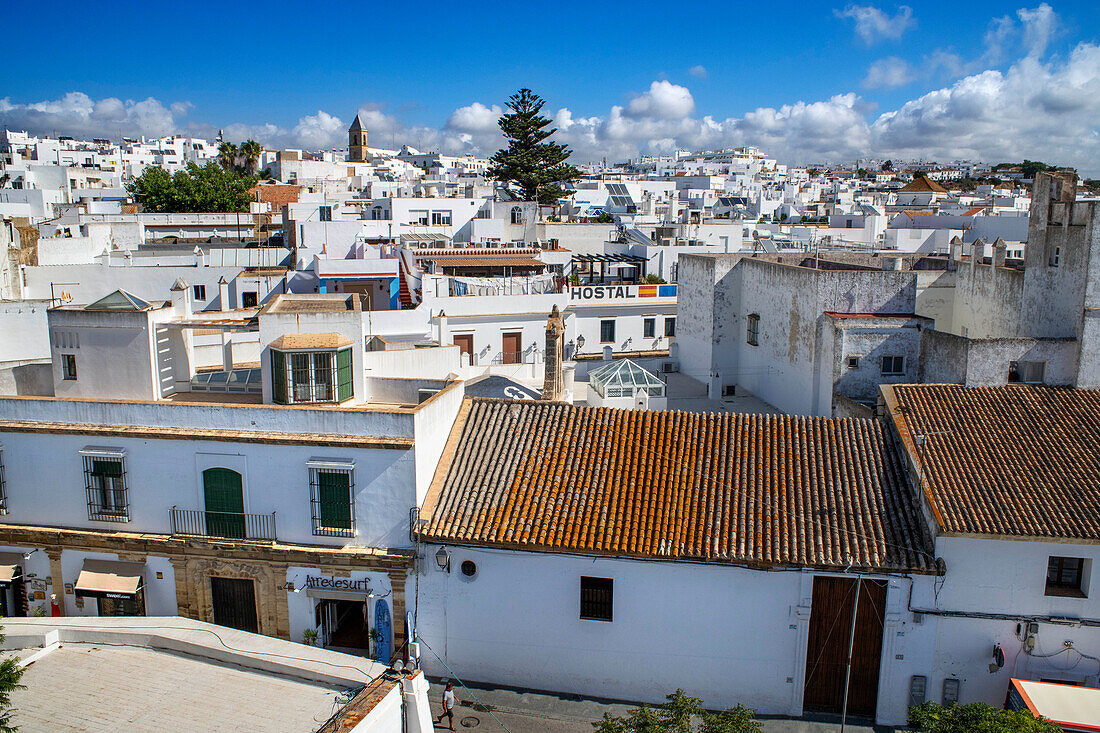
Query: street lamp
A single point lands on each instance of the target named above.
(443, 560)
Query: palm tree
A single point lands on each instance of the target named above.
(250, 151)
(227, 154)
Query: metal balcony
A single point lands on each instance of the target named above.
(228, 525)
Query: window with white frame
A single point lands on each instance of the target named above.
(893, 366)
(419, 217)
(311, 376)
(441, 218)
(332, 498)
(105, 484)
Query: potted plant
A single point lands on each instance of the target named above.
(309, 637)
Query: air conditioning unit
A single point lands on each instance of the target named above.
(670, 367)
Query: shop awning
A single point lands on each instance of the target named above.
(110, 578)
(11, 565)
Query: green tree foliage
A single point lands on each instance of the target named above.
(10, 674)
(227, 155)
(976, 717)
(680, 714)
(536, 166)
(888, 165)
(605, 218)
(210, 188)
(250, 150)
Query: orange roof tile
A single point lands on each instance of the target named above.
(922, 184)
(755, 490)
(1014, 460)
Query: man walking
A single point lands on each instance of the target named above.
(448, 706)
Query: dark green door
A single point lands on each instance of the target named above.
(224, 494)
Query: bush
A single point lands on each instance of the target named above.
(678, 716)
(976, 717)
(605, 218)
(652, 279)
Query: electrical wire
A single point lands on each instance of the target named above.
(450, 671)
(113, 627)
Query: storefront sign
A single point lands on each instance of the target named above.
(610, 292)
(315, 581)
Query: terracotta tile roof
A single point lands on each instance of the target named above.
(719, 487)
(1014, 460)
(922, 184)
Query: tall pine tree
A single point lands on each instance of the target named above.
(537, 167)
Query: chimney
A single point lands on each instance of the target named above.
(1000, 252)
(223, 294)
(181, 298)
(553, 389)
(954, 253)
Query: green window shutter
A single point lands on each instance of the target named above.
(335, 495)
(223, 492)
(343, 374)
(278, 377)
(106, 468)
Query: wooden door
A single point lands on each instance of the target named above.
(827, 650)
(513, 348)
(465, 344)
(224, 494)
(234, 602)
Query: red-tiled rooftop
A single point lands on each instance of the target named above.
(1014, 460)
(714, 487)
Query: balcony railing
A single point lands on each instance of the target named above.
(230, 525)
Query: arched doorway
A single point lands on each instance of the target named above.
(223, 492)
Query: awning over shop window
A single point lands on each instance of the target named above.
(11, 566)
(109, 578)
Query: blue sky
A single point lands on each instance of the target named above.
(430, 74)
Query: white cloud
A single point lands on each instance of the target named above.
(474, 117)
(873, 25)
(321, 130)
(664, 100)
(698, 71)
(1042, 109)
(1040, 25)
(888, 72)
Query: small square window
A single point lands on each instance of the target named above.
(752, 332)
(853, 362)
(1055, 258)
(68, 367)
(893, 366)
(649, 328)
(1066, 576)
(597, 598)
(670, 327)
(607, 332)
(199, 292)
(1026, 372)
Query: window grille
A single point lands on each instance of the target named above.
(607, 332)
(3, 487)
(332, 501)
(752, 334)
(105, 483)
(311, 376)
(597, 598)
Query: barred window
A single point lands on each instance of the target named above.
(332, 499)
(752, 333)
(105, 483)
(311, 376)
(3, 486)
(597, 598)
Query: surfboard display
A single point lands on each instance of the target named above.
(382, 625)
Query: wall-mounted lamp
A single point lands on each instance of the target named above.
(27, 555)
(580, 341)
(443, 560)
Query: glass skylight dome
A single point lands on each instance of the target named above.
(625, 379)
